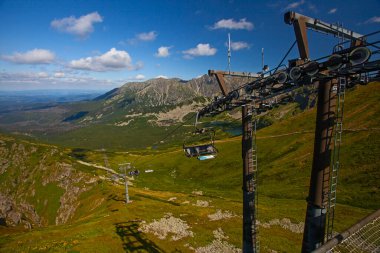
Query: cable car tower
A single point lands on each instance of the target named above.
(330, 74)
(329, 126)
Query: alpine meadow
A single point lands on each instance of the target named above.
(202, 126)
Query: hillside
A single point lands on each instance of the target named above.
(39, 184)
(185, 205)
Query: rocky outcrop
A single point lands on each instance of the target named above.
(13, 214)
(74, 183)
(26, 171)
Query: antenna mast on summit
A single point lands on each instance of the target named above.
(229, 52)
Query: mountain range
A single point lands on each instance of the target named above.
(136, 106)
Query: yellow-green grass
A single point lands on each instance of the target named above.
(103, 223)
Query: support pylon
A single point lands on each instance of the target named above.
(249, 184)
(315, 221)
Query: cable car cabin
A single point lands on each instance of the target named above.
(202, 151)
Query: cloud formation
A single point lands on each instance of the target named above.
(372, 20)
(21, 77)
(35, 56)
(139, 77)
(59, 74)
(294, 5)
(110, 61)
(146, 36)
(242, 24)
(312, 7)
(42, 75)
(239, 45)
(38, 80)
(163, 52)
(332, 11)
(82, 26)
(199, 50)
(149, 36)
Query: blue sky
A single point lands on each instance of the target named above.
(104, 44)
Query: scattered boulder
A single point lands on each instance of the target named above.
(220, 215)
(219, 244)
(285, 223)
(168, 225)
(199, 193)
(201, 203)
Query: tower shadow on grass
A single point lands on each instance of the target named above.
(134, 240)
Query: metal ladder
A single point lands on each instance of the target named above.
(335, 160)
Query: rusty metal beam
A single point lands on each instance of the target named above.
(249, 187)
(234, 73)
(315, 220)
(222, 84)
(301, 22)
(220, 77)
(300, 31)
(299, 25)
(321, 26)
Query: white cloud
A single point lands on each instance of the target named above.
(23, 77)
(163, 52)
(373, 20)
(109, 61)
(139, 77)
(162, 76)
(242, 24)
(294, 5)
(139, 65)
(239, 45)
(152, 35)
(43, 80)
(82, 26)
(313, 7)
(199, 50)
(35, 56)
(59, 74)
(42, 75)
(332, 11)
(16, 78)
(148, 36)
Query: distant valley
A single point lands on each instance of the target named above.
(116, 118)
(30, 99)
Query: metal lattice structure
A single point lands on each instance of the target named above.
(366, 239)
(363, 237)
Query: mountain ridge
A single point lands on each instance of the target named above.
(131, 109)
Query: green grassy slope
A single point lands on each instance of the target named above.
(103, 223)
(285, 156)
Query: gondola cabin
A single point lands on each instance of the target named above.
(200, 150)
(203, 151)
